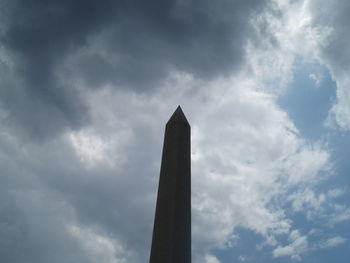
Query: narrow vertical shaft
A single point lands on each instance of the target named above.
(171, 241)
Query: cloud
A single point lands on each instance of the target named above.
(211, 259)
(32, 223)
(53, 51)
(102, 180)
(342, 213)
(306, 200)
(317, 78)
(242, 258)
(333, 242)
(87, 89)
(253, 159)
(334, 52)
(298, 245)
(99, 246)
(322, 207)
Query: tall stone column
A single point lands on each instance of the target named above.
(171, 241)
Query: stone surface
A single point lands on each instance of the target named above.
(172, 224)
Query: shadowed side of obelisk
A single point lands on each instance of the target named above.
(172, 224)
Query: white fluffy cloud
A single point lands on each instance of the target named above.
(332, 242)
(250, 158)
(297, 246)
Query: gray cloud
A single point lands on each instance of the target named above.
(56, 204)
(334, 52)
(31, 218)
(131, 44)
(334, 16)
(47, 192)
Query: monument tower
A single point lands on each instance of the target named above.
(171, 242)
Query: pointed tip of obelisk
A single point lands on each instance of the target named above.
(178, 115)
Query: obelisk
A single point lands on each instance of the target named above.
(171, 242)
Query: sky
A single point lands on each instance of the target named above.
(86, 88)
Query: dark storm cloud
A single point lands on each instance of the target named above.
(39, 35)
(131, 44)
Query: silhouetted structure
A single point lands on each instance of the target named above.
(171, 241)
